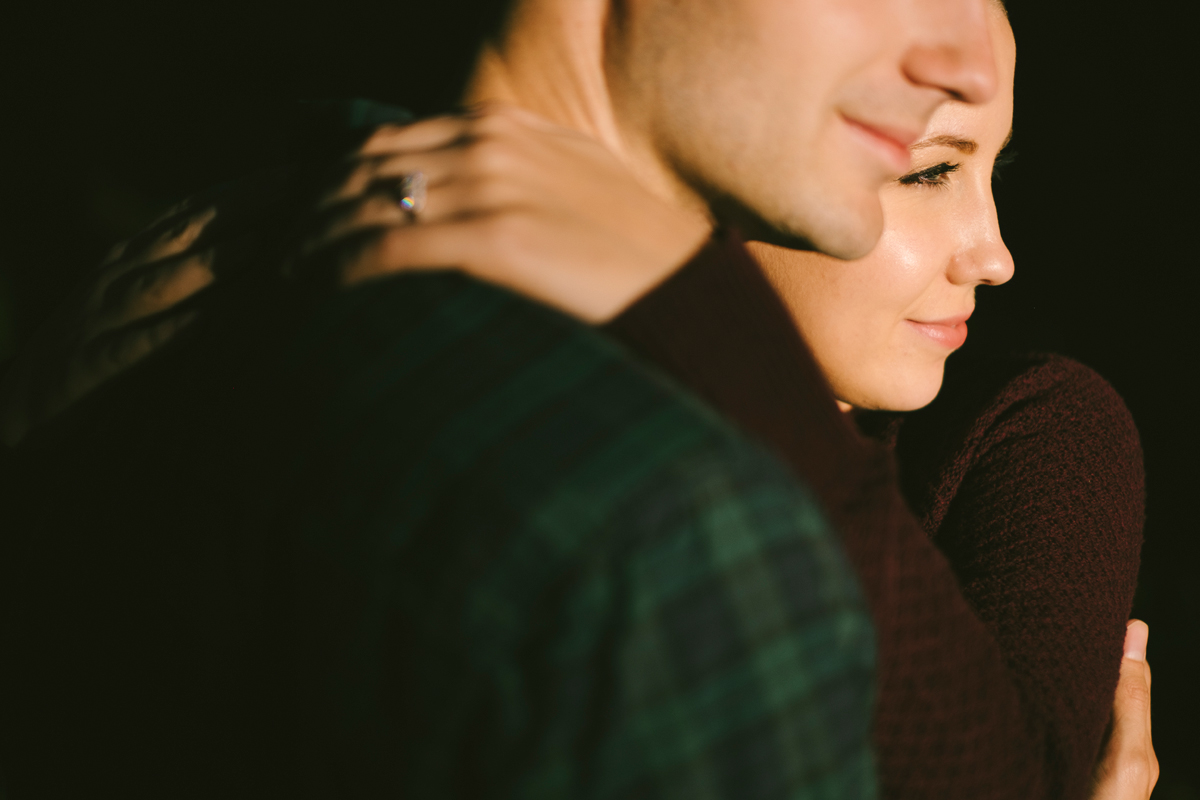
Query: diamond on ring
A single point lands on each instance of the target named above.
(410, 193)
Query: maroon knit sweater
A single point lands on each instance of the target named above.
(999, 652)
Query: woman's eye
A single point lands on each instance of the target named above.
(933, 176)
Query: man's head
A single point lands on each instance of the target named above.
(793, 113)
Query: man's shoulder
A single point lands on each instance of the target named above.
(532, 501)
(437, 386)
(439, 349)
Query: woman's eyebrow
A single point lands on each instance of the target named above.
(967, 146)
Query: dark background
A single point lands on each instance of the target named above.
(1100, 212)
(111, 113)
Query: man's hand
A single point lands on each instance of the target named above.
(1129, 769)
(511, 199)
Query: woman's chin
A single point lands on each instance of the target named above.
(904, 392)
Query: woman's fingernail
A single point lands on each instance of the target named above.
(1137, 634)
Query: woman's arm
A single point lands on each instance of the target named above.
(1027, 471)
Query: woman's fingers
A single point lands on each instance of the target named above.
(222, 214)
(169, 237)
(424, 135)
(463, 158)
(50, 389)
(510, 249)
(428, 246)
(483, 121)
(487, 142)
(356, 176)
(119, 349)
(380, 208)
(154, 287)
(111, 354)
(1129, 767)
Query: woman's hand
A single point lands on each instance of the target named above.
(511, 199)
(1128, 769)
(141, 297)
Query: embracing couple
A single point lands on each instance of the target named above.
(550, 449)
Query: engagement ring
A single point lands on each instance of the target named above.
(410, 193)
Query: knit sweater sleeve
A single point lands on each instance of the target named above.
(952, 719)
(1028, 472)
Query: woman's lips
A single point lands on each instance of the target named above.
(950, 333)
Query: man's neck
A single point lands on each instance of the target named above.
(550, 61)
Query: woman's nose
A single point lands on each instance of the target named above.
(995, 263)
(982, 258)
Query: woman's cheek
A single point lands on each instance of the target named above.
(903, 263)
(904, 374)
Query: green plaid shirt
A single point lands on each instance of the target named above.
(550, 573)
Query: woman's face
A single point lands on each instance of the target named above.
(882, 327)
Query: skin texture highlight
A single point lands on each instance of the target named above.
(864, 319)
